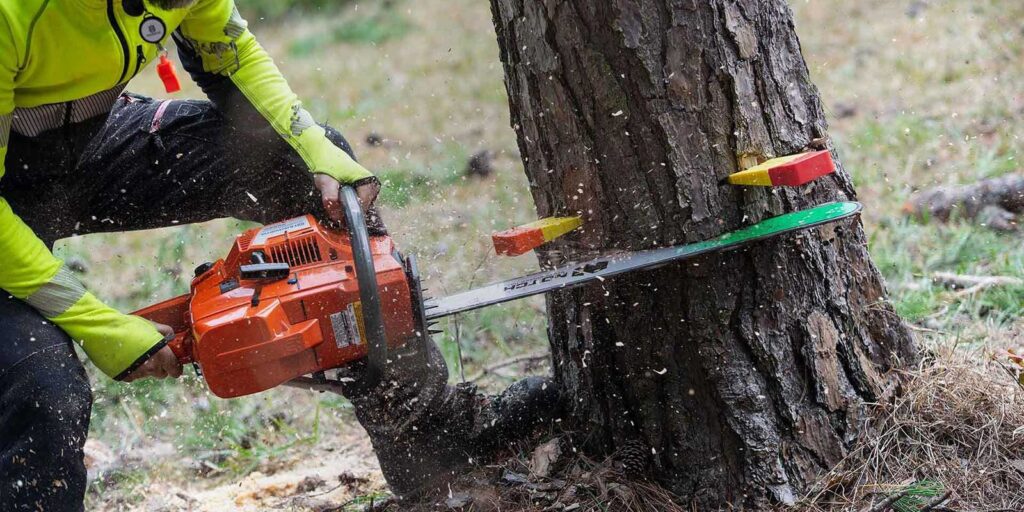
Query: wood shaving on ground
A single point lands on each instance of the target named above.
(322, 480)
(544, 456)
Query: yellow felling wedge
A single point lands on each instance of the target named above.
(525, 238)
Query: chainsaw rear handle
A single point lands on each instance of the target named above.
(369, 292)
(181, 346)
(173, 313)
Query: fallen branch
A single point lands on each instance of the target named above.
(969, 285)
(490, 369)
(887, 503)
(933, 504)
(994, 202)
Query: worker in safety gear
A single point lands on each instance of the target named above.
(82, 156)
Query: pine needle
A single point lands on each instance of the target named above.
(918, 495)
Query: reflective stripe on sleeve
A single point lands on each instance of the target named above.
(30, 122)
(5, 130)
(301, 119)
(236, 25)
(57, 296)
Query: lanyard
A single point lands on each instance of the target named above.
(153, 30)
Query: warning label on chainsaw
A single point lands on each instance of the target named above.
(347, 326)
(280, 228)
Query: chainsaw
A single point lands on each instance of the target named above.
(294, 300)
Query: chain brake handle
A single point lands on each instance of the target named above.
(369, 291)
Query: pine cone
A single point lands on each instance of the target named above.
(633, 456)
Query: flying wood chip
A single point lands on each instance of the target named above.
(787, 171)
(523, 239)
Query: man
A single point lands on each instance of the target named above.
(79, 157)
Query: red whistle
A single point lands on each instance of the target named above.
(168, 75)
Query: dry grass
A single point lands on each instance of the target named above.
(960, 423)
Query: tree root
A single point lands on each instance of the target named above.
(969, 285)
(995, 203)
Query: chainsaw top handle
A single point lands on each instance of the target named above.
(369, 292)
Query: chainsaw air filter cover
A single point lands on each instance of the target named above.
(284, 303)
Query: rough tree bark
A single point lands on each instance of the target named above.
(744, 375)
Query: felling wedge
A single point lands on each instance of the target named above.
(295, 299)
(787, 171)
(523, 239)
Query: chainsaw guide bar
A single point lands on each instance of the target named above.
(577, 274)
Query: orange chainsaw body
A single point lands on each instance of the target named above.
(250, 335)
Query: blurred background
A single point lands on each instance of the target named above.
(919, 94)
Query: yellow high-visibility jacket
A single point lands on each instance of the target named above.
(56, 54)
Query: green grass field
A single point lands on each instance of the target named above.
(919, 94)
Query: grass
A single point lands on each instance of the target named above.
(262, 10)
(375, 24)
(915, 100)
(927, 101)
(913, 252)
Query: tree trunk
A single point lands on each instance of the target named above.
(744, 375)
